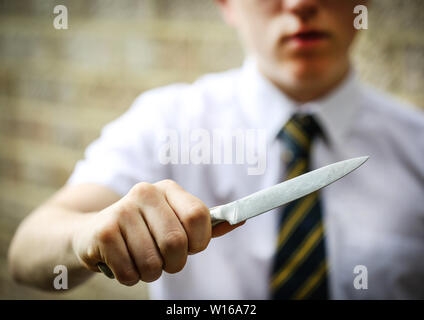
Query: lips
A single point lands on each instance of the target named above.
(307, 38)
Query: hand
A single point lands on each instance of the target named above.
(152, 228)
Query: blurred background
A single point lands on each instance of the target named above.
(58, 88)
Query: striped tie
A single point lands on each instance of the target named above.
(300, 269)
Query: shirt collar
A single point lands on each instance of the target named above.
(336, 112)
(268, 107)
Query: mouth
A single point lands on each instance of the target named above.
(307, 38)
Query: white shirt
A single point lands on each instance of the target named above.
(373, 217)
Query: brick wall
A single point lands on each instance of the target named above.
(59, 87)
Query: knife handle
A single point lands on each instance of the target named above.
(105, 270)
(214, 221)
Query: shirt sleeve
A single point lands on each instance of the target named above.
(124, 154)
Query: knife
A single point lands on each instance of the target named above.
(283, 193)
(275, 196)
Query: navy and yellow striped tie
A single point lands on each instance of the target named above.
(300, 268)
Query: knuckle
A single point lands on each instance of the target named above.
(107, 234)
(127, 277)
(196, 214)
(199, 246)
(151, 269)
(175, 267)
(168, 183)
(174, 241)
(126, 212)
(144, 190)
(196, 218)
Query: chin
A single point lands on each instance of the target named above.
(306, 71)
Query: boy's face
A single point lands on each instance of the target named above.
(295, 41)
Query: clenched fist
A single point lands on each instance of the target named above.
(152, 228)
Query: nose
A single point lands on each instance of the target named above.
(304, 9)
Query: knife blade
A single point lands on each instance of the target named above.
(275, 196)
(283, 193)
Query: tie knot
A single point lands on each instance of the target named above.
(299, 132)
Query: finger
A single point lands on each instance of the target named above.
(164, 226)
(192, 212)
(116, 256)
(223, 228)
(142, 248)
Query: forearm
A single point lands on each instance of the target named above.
(43, 241)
